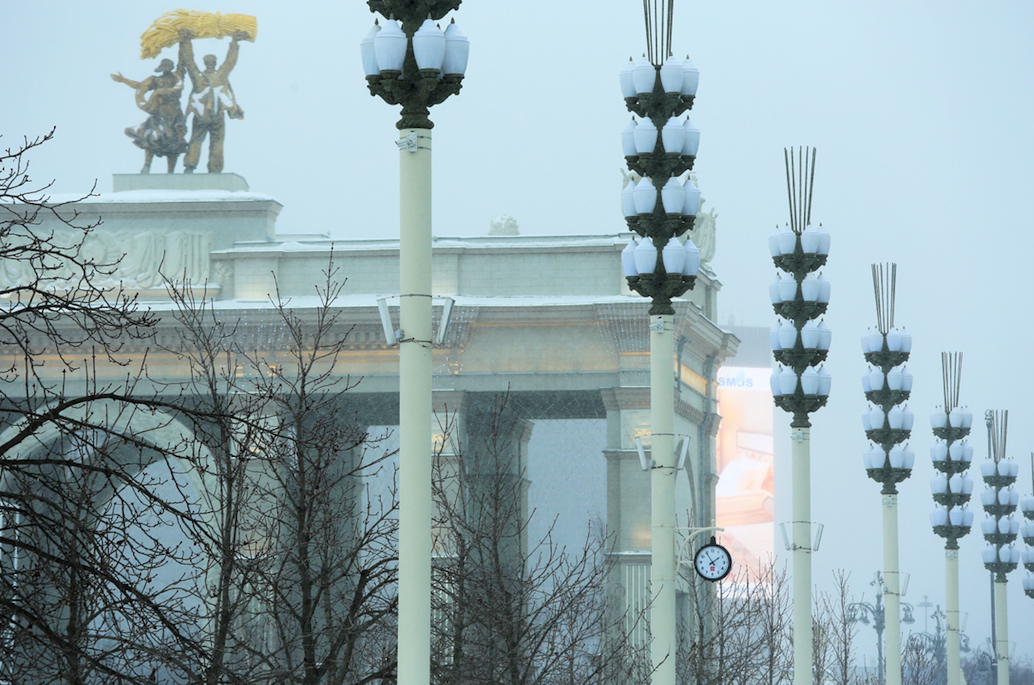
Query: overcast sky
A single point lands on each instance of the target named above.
(921, 113)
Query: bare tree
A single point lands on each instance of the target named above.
(839, 630)
(507, 609)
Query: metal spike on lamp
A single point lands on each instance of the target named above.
(887, 425)
(410, 61)
(952, 488)
(1000, 528)
(800, 345)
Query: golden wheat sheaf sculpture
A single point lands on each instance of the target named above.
(164, 32)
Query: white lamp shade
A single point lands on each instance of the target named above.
(673, 197)
(390, 46)
(865, 343)
(967, 485)
(867, 420)
(810, 288)
(967, 516)
(690, 77)
(810, 381)
(825, 382)
(955, 418)
(773, 338)
(955, 516)
(692, 201)
(457, 50)
(809, 240)
(967, 452)
(787, 242)
(628, 200)
(955, 451)
(906, 341)
(906, 379)
(1014, 468)
(824, 289)
(788, 381)
(645, 137)
(988, 469)
(1027, 504)
(773, 381)
(644, 75)
(1014, 554)
(908, 418)
(645, 198)
(773, 243)
(939, 451)
(646, 256)
(877, 418)
(1027, 530)
(867, 458)
(628, 139)
(674, 256)
(955, 483)
(691, 143)
(989, 497)
(876, 380)
(773, 291)
(897, 457)
(875, 340)
(673, 136)
(894, 378)
(787, 336)
(989, 555)
(896, 418)
(938, 419)
(671, 75)
(939, 516)
(810, 335)
(692, 266)
(823, 240)
(866, 386)
(429, 46)
(939, 484)
(894, 340)
(825, 335)
(787, 288)
(1014, 496)
(879, 457)
(989, 526)
(368, 53)
(910, 458)
(628, 259)
(626, 80)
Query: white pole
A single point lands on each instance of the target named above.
(802, 629)
(1002, 628)
(953, 644)
(892, 595)
(414, 629)
(662, 499)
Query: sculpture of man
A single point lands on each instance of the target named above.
(211, 96)
(164, 132)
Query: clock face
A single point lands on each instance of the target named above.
(713, 562)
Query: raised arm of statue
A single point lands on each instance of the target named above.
(119, 78)
(231, 57)
(187, 56)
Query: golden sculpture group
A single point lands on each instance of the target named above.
(164, 132)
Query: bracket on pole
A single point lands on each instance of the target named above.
(409, 143)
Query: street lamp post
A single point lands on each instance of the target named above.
(952, 487)
(1027, 531)
(411, 62)
(864, 612)
(1000, 528)
(936, 642)
(800, 345)
(888, 424)
(658, 148)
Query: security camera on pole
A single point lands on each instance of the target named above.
(887, 425)
(801, 386)
(952, 487)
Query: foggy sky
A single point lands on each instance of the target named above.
(921, 113)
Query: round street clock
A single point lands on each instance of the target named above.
(713, 562)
